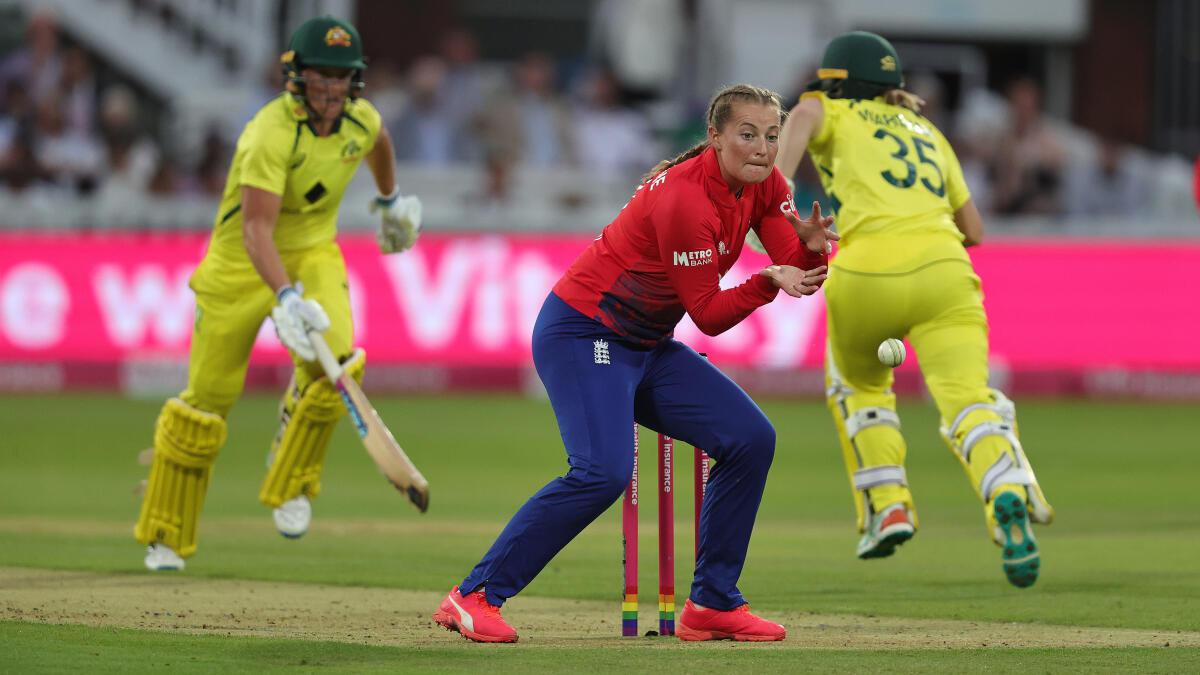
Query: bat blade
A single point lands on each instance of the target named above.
(391, 459)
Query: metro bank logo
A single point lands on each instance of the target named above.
(693, 258)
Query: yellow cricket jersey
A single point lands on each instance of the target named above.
(279, 152)
(894, 183)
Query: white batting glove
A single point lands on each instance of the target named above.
(294, 317)
(401, 221)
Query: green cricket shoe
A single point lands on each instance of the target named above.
(1022, 560)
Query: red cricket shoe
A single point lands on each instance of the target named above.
(696, 623)
(474, 617)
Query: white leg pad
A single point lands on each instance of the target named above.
(875, 476)
(864, 418)
(1003, 471)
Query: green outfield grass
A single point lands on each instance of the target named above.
(1121, 561)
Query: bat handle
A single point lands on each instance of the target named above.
(329, 362)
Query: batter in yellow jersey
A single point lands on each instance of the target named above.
(896, 186)
(273, 253)
(904, 215)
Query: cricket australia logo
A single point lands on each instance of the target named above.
(337, 36)
(600, 352)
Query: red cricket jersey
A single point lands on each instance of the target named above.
(668, 248)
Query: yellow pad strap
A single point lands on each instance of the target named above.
(309, 419)
(186, 443)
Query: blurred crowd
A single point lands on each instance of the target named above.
(62, 131)
(1018, 162)
(451, 108)
(66, 132)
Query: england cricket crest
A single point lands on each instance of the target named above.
(600, 352)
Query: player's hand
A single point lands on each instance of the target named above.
(293, 317)
(401, 221)
(795, 281)
(814, 231)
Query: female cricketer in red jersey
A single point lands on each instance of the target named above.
(603, 347)
(905, 216)
(273, 253)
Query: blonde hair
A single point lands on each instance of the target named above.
(719, 111)
(904, 99)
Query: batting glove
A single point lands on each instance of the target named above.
(294, 317)
(401, 221)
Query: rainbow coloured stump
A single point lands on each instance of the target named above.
(666, 535)
(629, 536)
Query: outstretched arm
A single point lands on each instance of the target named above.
(382, 163)
(800, 256)
(293, 316)
(802, 124)
(400, 217)
(795, 281)
(260, 209)
(789, 239)
(970, 223)
(687, 230)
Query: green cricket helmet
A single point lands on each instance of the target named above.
(325, 42)
(858, 65)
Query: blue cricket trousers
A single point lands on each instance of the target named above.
(599, 385)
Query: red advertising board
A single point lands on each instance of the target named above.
(1104, 310)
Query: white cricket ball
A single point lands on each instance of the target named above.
(891, 352)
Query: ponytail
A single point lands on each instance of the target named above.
(904, 99)
(681, 157)
(863, 90)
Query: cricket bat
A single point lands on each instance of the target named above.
(378, 440)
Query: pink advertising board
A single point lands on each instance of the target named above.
(469, 302)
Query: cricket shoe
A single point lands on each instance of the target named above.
(1019, 550)
(293, 516)
(474, 617)
(701, 623)
(888, 529)
(162, 558)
